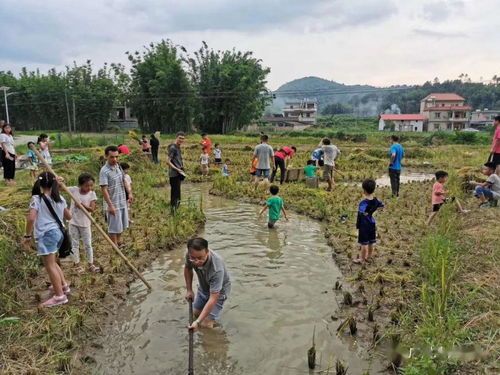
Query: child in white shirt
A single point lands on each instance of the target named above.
(80, 225)
(204, 157)
(217, 155)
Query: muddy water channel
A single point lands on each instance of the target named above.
(281, 288)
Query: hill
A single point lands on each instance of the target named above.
(367, 101)
(361, 100)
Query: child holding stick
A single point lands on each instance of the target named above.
(439, 195)
(80, 225)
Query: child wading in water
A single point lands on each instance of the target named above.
(48, 234)
(439, 195)
(80, 225)
(275, 205)
(204, 158)
(367, 231)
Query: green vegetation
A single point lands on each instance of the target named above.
(42, 101)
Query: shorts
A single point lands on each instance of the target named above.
(327, 172)
(262, 173)
(481, 190)
(271, 222)
(218, 161)
(201, 300)
(117, 223)
(49, 242)
(495, 159)
(436, 207)
(367, 235)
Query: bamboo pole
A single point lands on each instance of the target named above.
(191, 333)
(89, 216)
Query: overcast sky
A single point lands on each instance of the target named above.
(377, 42)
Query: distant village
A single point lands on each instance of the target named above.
(438, 112)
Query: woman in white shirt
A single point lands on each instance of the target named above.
(8, 154)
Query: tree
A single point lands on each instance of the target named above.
(162, 96)
(336, 109)
(231, 89)
(42, 101)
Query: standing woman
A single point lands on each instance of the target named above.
(8, 154)
(43, 142)
(155, 145)
(48, 234)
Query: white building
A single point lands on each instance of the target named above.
(303, 111)
(402, 123)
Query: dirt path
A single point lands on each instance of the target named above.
(24, 139)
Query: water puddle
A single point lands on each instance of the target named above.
(281, 287)
(406, 177)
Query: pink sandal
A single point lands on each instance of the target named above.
(357, 261)
(55, 301)
(93, 268)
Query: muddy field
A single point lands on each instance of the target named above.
(429, 287)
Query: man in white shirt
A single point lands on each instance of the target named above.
(330, 153)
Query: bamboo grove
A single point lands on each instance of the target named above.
(167, 89)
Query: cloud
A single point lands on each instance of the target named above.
(256, 15)
(440, 10)
(439, 34)
(375, 42)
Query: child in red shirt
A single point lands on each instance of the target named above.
(439, 195)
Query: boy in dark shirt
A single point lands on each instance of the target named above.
(367, 231)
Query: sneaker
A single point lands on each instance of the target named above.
(55, 300)
(66, 289)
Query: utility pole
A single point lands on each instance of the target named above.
(74, 116)
(5, 89)
(67, 111)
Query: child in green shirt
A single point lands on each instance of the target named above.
(310, 172)
(275, 205)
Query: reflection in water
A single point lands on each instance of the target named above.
(281, 288)
(405, 178)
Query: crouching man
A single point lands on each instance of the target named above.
(214, 284)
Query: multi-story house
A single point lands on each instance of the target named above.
(303, 111)
(481, 118)
(445, 111)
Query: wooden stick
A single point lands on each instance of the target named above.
(89, 216)
(191, 333)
